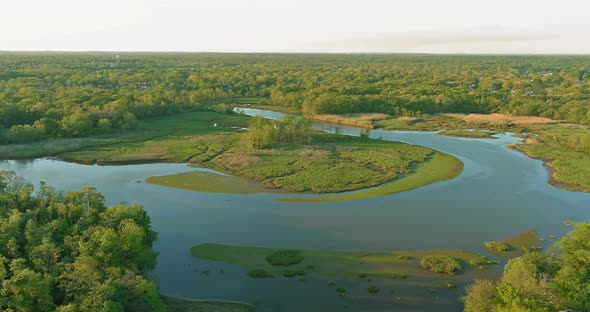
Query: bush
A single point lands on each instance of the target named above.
(497, 246)
(449, 284)
(373, 290)
(284, 257)
(260, 273)
(293, 273)
(341, 291)
(441, 264)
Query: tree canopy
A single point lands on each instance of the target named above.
(559, 280)
(69, 252)
(77, 94)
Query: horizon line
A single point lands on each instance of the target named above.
(296, 52)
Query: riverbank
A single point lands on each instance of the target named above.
(473, 134)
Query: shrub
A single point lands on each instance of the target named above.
(340, 291)
(441, 264)
(373, 290)
(260, 273)
(362, 275)
(497, 246)
(293, 273)
(449, 284)
(284, 257)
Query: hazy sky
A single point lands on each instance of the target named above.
(432, 26)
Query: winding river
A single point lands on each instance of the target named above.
(501, 193)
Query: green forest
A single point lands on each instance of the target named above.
(77, 94)
(69, 252)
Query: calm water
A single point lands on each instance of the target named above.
(500, 193)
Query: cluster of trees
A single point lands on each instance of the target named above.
(557, 281)
(74, 94)
(68, 252)
(263, 133)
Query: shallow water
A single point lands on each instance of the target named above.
(501, 193)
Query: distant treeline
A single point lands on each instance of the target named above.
(76, 94)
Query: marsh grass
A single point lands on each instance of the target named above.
(215, 141)
(440, 167)
(260, 273)
(202, 181)
(331, 266)
(527, 241)
(284, 257)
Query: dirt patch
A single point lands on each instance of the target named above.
(364, 120)
(502, 119)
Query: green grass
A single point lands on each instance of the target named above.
(179, 305)
(330, 164)
(516, 245)
(440, 167)
(476, 134)
(202, 181)
(331, 265)
(188, 137)
(245, 100)
(570, 169)
(260, 273)
(284, 257)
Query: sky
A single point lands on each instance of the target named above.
(396, 26)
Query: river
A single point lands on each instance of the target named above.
(500, 193)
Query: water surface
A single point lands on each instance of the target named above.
(501, 193)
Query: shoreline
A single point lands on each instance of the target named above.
(551, 179)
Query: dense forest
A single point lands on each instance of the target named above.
(76, 94)
(68, 252)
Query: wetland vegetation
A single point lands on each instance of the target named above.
(69, 251)
(403, 267)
